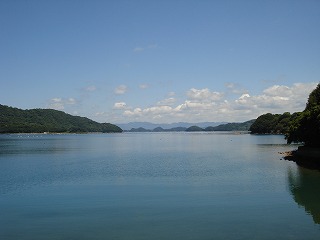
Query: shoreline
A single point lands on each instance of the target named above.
(56, 133)
(308, 157)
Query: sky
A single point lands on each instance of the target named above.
(160, 61)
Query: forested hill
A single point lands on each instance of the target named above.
(299, 127)
(14, 120)
(245, 126)
(273, 123)
(224, 127)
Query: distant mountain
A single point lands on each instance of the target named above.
(166, 126)
(178, 129)
(14, 120)
(245, 126)
(194, 129)
(157, 129)
(140, 129)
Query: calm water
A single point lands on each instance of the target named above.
(154, 186)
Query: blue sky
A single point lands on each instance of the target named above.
(160, 61)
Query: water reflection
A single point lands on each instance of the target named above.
(32, 144)
(304, 187)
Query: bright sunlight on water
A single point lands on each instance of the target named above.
(154, 186)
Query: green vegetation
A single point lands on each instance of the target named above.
(306, 126)
(222, 127)
(194, 129)
(140, 129)
(158, 129)
(14, 120)
(273, 123)
(232, 126)
(299, 127)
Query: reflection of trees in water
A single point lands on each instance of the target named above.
(305, 189)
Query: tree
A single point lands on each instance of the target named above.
(265, 124)
(306, 127)
(273, 123)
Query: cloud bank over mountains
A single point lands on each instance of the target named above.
(207, 105)
(235, 104)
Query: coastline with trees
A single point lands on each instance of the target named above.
(299, 127)
(305, 128)
(14, 120)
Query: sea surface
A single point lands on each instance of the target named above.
(154, 186)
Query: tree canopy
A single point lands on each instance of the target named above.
(194, 129)
(299, 127)
(306, 127)
(232, 126)
(272, 123)
(14, 120)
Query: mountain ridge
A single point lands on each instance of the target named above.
(15, 120)
(151, 126)
(242, 126)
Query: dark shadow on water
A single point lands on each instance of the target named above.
(304, 157)
(304, 188)
(312, 165)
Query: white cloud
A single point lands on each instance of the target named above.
(198, 106)
(157, 110)
(167, 101)
(204, 95)
(56, 100)
(277, 90)
(135, 112)
(143, 86)
(265, 102)
(148, 111)
(298, 90)
(138, 49)
(56, 103)
(235, 88)
(71, 101)
(206, 105)
(278, 98)
(171, 94)
(244, 96)
(122, 89)
(60, 104)
(120, 105)
(141, 49)
(99, 114)
(91, 88)
(230, 85)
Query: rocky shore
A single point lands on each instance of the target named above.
(308, 157)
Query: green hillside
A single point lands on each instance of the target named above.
(273, 123)
(194, 129)
(224, 127)
(14, 120)
(232, 126)
(299, 127)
